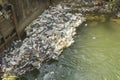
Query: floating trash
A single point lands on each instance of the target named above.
(47, 36)
(86, 24)
(49, 76)
(118, 15)
(93, 37)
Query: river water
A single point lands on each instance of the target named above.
(95, 55)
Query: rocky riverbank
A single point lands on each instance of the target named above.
(47, 36)
(95, 7)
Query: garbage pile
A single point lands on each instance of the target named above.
(94, 6)
(46, 38)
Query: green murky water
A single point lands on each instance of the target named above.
(95, 55)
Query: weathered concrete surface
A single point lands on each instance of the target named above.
(0, 1)
(25, 11)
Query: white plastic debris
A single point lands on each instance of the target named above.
(118, 14)
(86, 24)
(1, 13)
(93, 37)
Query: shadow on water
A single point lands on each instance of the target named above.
(108, 23)
(30, 75)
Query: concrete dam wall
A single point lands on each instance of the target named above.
(15, 15)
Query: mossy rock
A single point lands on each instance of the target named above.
(10, 78)
(100, 18)
(116, 20)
